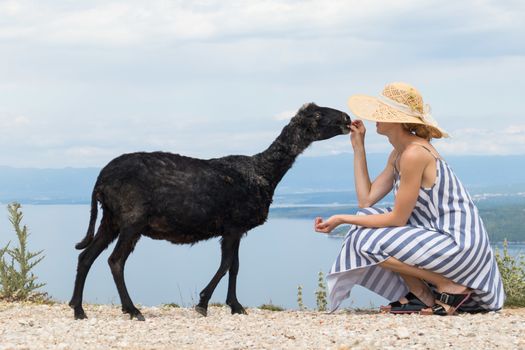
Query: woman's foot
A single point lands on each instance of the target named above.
(447, 304)
(414, 301)
(414, 305)
(448, 299)
(402, 301)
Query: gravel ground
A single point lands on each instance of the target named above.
(27, 326)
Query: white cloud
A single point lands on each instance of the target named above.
(152, 22)
(486, 141)
(515, 130)
(286, 115)
(86, 81)
(87, 152)
(337, 145)
(465, 141)
(9, 122)
(21, 120)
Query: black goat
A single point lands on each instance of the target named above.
(186, 200)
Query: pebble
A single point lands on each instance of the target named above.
(402, 333)
(27, 326)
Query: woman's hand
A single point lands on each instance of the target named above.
(357, 134)
(328, 225)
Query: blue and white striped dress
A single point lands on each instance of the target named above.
(444, 234)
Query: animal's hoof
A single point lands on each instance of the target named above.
(80, 315)
(78, 310)
(239, 310)
(138, 316)
(201, 310)
(133, 313)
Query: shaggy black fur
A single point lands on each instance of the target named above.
(186, 200)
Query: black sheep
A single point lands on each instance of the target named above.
(186, 200)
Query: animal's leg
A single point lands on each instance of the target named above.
(226, 260)
(126, 243)
(105, 235)
(231, 298)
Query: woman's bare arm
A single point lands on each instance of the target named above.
(412, 164)
(368, 192)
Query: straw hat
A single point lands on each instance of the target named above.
(398, 103)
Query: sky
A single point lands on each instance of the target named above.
(83, 82)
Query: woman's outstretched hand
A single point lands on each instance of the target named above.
(357, 133)
(328, 225)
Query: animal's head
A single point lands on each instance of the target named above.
(321, 123)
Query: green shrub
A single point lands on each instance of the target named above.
(271, 307)
(512, 272)
(171, 305)
(217, 304)
(300, 298)
(17, 282)
(321, 293)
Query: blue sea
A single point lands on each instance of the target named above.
(275, 259)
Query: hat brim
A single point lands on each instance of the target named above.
(371, 108)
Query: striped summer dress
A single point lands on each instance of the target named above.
(444, 234)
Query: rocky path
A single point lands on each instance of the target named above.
(26, 326)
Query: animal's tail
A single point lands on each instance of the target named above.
(92, 221)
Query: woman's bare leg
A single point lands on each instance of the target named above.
(413, 273)
(418, 288)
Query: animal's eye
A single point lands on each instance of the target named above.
(317, 116)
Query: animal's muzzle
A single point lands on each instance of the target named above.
(346, 122)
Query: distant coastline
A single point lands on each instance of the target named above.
(315, 186)
(503, 216)
(503, 221)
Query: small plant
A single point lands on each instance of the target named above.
(512, 270)
(171, 305)
(17, 282)
(217, 304)
(271, 307)
(300, 298)
(321, 293)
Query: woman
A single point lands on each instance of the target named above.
(431, 247)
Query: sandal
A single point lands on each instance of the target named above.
(414, 305)
(412, 299)
(452, 300)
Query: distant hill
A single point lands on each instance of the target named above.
(478, 173)
(502, 220)
(47, 186)
(312, 180)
